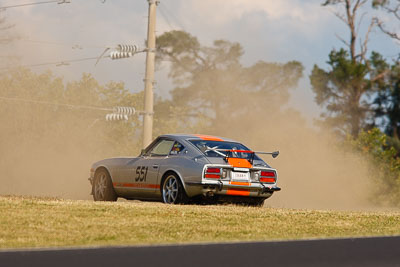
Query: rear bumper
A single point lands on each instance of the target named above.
(233, 188)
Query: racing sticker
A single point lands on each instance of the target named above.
(238, 192)
(208, 137)
(137, 185)
(239, 162)
(141, 173)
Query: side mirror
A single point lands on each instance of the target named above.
(142, 152)
(275, 154)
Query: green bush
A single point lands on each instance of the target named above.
(384, 165)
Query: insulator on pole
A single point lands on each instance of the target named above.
(124, 110)
(119, 55)
(116, 117)
(127, 48)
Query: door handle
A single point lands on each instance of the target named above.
(155, 166)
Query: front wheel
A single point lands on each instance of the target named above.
(103, 189)
(173, 191)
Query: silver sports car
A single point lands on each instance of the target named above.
(182, 168)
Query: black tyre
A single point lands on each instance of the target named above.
(103, 189)
(172, 190)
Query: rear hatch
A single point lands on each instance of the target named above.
(223, 170)
(234, 162)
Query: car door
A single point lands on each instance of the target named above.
(145, 170)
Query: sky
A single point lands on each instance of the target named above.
(272, 31)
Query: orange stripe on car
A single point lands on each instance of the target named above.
(208, 137)
(238, 192)
(137, 185)
(239, 163)
(239, 183)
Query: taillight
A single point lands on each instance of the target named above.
(268, 174)
(213, 173)
(213, 170)
(267, 177)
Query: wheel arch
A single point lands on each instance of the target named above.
(174, 172)
(102, 167)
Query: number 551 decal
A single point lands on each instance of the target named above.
(141, 173)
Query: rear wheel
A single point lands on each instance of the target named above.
(172, 190)
(103, 189)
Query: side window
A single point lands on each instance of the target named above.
(177, 149)
(162, 148)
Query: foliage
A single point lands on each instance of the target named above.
(343, 91)
(377, 3)
(384, 165)
(54, 111)
(387, 99)
(213, 86)
(51, 132)
(392, 8)
(360, 93)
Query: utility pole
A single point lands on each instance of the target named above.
(149, 79)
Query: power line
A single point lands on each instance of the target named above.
(123, 51)
(37, 3)
(54, 104)
(57, 63)
(72, 45)
(117, 113)
(40, 3)
(166, 19)
(171, 14)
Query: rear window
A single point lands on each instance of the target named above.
(210, 149)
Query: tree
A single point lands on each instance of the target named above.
(384, 165)
(345, 88)
(339, 90)
(350, 18)
(42, 115)
(387, 99)
(393, 9)
(212, 85)
(45, 128)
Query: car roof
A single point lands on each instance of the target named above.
(197, 137)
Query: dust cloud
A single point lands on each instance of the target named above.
(314, 170)
(48, 151)
(50, 164)
(39, 170)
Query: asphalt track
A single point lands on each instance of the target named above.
(377, 251)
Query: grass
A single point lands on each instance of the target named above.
(39, 222)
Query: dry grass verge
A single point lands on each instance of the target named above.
(39, 222)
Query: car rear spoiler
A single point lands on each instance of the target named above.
(273, 154)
